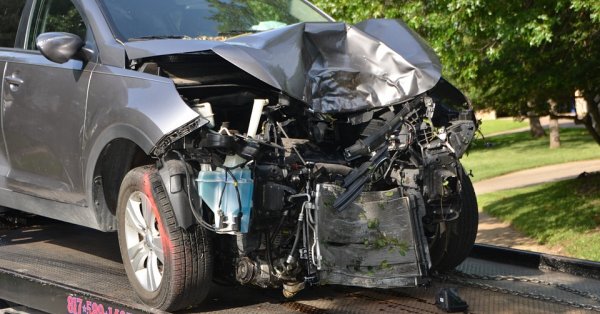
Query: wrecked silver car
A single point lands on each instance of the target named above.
(246, 142)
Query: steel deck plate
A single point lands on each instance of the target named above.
(86, 263)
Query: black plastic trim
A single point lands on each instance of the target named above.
(574, 266)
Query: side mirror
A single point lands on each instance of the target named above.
(59, 47)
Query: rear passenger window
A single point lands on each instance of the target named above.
(10, 15)
(55, 16)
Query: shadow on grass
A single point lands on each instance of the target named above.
(552, 211)
(523, 140)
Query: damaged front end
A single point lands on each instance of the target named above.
(323, 153)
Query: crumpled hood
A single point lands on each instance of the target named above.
(333, 67)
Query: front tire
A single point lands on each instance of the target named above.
(456, 238)
(169, 268)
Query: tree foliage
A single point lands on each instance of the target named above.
(10, 13)
(504, 54)
(237, 15)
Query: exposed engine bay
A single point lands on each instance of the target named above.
(310, 198)
(300, 194)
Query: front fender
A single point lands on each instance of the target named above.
(147, 102)
(125, 104)
(114, 132)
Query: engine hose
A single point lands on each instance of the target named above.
(276, 232)
(269, 259)
(290, 258)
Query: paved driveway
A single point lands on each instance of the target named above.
(496, 232)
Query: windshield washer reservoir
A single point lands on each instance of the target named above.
(224, 194)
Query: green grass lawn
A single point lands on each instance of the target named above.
(519, 151)
(500, 125)
(566, 214)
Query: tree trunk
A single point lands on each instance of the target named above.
(554, 126)
(554, 133)
(535, 126)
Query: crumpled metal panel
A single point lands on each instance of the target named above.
(369, 244)
(333, 67)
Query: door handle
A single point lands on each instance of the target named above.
(13, 80)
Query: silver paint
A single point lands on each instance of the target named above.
(57, 121)
(59, 47)
(334, 67)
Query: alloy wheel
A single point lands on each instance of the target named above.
(143, 240)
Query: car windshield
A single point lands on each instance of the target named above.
(203, 19)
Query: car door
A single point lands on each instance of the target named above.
(10, 15)
(44, 105)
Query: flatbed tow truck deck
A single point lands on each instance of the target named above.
(61, 268)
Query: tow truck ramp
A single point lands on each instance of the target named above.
(55, 267)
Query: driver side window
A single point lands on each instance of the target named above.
(55, 16)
